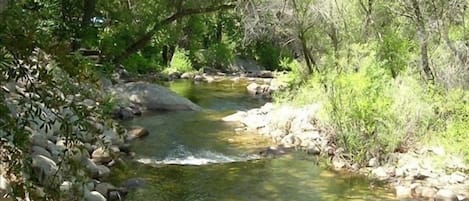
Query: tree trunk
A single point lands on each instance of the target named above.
(423, 41)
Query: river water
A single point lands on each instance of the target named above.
(194, 156)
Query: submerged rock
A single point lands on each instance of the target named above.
(133, 183)
(273, 151)
(137, 132)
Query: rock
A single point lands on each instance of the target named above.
(273, 151)
(91, 167)
(104, 188)
(445, 195)
(253, 88)
(137, 132)
(209, 78)
(187, 75)
(265, 74)
(338, 163)
(116, 195)
(94, 196)
(199, 78)
(66, 186)
(45, 169)
(241, 64)
(38, 140)
(402, 192)
(4, 184)
(152, 96)
(111, 137)
(290, 141)
(123, 113)
(102, 172)
(425, 192)
(174, 75)
(457, 177)
(313, 150)
(125, 148)
(54, 150)
(238, 116)
(101, 156)
(380, 173)
(37, 150)
(133, 183)
(373, 162)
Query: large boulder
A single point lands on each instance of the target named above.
(152, 96)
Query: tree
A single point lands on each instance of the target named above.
(180, 12)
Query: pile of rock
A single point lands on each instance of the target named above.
(287, 126)
(53, 158)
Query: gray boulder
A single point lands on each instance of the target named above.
(45, 169)
(152, 96)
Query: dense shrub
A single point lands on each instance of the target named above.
(374, 114)
(180, 62)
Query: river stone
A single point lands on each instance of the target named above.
(380, 173)
(445, 195)
(101, 156)
(104, 188)
(199, 78)
(238, 116)
(44, 168)
(37, 150)
(403, 192)
(38, 140)
(425, 192)
(94, 196)
(137, 132)
(152, 96)
(133, 183)
(103, 171)
(187, 75)
(66, 186)
(4, 184)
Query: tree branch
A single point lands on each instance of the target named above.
(146, 38)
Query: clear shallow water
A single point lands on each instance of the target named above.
(195, 156)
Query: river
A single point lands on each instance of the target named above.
(194, 156)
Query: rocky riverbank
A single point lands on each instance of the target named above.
(421, 173)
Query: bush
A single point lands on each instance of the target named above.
(451, 124)
(180, 62)
(372, 114)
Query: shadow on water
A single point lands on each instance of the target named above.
(221, 167)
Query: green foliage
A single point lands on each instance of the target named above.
(393, 52)
(180, 62)
(451, 124)
(137, 63)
